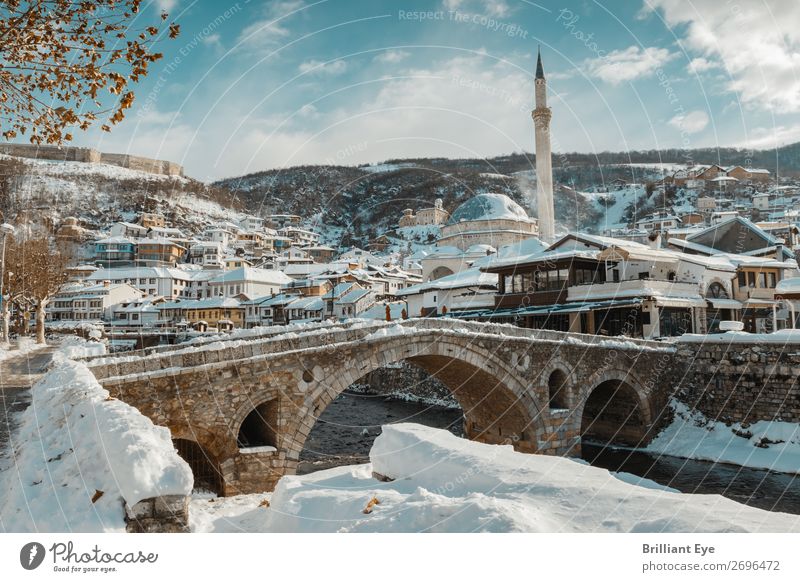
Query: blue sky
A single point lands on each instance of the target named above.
(252, 85)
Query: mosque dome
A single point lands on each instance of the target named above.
(489, 207)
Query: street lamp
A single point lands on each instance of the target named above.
(5, 230)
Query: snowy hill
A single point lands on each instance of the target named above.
(99, 194)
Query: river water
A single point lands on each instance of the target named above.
(344, 433)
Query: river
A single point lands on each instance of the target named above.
(344, 433)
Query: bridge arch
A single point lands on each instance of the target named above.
(497, 404)
(557, 385)
(615, 408)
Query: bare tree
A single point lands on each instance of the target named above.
(35, 271)
(57, 56)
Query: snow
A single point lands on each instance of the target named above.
(791, 285)
(784, 336)
(489, 207)
(692, 435)
(74, 441)
(441, 483)
(391, 331)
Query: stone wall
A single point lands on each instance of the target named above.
(166, 514)
(742, 382)
(91, 156)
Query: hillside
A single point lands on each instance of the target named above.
(98, 194)
(352, 205)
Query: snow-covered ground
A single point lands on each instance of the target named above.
(764, 444)
(441, 483)
(81, 455)
(614, 204)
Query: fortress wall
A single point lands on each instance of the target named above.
(88, 155)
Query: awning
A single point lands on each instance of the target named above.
(724, 303)
(759, 303)
(680, 301)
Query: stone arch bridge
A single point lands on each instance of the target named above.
(241, 408)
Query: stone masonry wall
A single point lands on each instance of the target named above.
(742, 382)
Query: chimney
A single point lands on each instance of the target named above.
(654, 239)
(106, 283)
(779, 251)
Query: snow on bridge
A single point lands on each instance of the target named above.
(241, 407)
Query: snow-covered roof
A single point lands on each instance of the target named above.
(253, 274)
(114, 240)
(471, 277)
(791, 285)
(489, 207)
(353, 296)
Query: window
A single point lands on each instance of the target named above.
(762, 280)
(742, 279)
(771, 280)
(751, 279)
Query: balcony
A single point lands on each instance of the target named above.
(632, 288)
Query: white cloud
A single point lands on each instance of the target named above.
(772, 137)
(212, 39)
(700, 65)
(462, 107)
(336, 67)
(270, 29)
(758, 44)
(392, 56)
(497, 8)
(628, 64)
(166, 5)
(692, 122)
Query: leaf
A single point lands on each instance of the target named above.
(97, 495)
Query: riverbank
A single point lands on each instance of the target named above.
(769, 445)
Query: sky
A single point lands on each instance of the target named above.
(251, 85)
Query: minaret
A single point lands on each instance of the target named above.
(544, 170)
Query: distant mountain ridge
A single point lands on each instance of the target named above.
(367, 201)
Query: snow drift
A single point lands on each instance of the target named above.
(75, 442)
(441, 483)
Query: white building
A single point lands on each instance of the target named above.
(94, 301)
(168, 282)
(128, 230)
(250, 281)
(208, 255)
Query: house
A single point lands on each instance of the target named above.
(207, 254)
(268, 310)
(788, 292)
(128, 230)
(151, 252)
(250, 222)
(92, 301)
(750, 176)
(170, 283)
(139, 313)
(347, 300)
(299, 236)
(250, 281)
(659, 222)
(466, 291)
(222, 313)
(320, 253)
(278, 221)
(114, 251)
(353, 303)
(304, 309)
(150, 220)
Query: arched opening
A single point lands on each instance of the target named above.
(259, 427)
(345, 429)
(612, 415)
(207, 477)
(558, 390)
(438, 391)
(440, 272)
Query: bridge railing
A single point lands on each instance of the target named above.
(192, 355)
